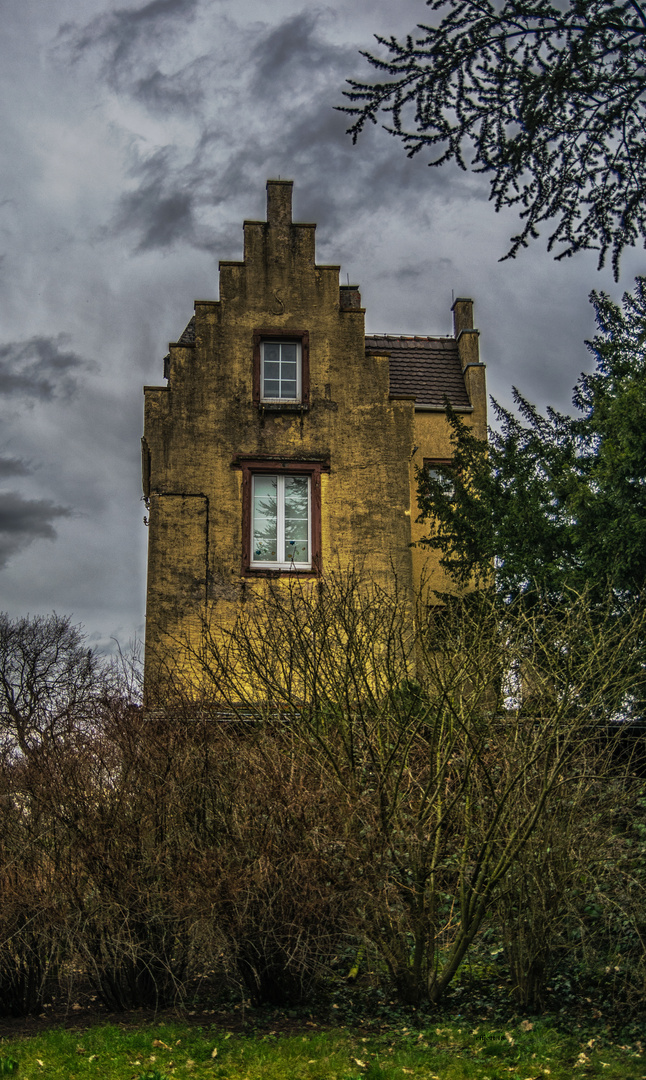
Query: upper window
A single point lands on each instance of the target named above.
(280, 371)
(281, 522)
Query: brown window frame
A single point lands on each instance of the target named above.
(445, 462)
(286, 466)
(272, 333)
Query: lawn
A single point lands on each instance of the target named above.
(449, 1051)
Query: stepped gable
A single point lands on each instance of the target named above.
(426, 367)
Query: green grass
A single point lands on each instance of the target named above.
(447, 1051)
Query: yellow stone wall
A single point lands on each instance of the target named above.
(197, 425)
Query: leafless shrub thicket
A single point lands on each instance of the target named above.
(352, 773)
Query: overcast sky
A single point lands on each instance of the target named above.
(135, 141)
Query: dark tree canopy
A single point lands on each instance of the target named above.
(556, 501)
(548, 100)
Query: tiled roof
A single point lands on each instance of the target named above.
(188, 334)
(427, 367)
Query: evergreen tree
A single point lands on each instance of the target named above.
(555, 502)
(549, 100)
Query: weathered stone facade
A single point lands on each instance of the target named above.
(367, 409)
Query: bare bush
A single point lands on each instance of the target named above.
(350, 770)
(50, 683)
(449, 734)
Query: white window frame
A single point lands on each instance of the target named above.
(299, 371)
(285, 564)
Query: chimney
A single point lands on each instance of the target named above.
(462, 315)
(349, 298)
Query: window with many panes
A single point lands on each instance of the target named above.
(280, 522)
(280, 371)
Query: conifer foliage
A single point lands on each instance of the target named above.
(557, 501)
(549, 100)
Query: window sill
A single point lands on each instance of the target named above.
(265, 572)
(272, 575)
(283, 406)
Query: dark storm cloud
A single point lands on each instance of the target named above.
(120, 32)
(160, 209)
(275, 115)
(10, 466)
(163, 93)
(24, 520)
(127, 40)
(40, 368)
(281, 56)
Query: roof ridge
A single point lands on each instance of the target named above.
(413, 337)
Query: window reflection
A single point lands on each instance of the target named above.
(281, 520)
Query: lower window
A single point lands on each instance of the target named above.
(281, 522)
(440, 470)
(281, 515)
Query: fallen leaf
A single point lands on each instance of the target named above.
(214, 1052)
(163, 1045)
(41, 1063)
(361, 1064)
(526, 1025)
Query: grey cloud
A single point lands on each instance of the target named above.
(161, 93)
(121, 34)
(24, 520)
(11, 466)
(163, 209)
(295, 72)
(120, 30)
(41, 368)
(280, 57)
(160, 209)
